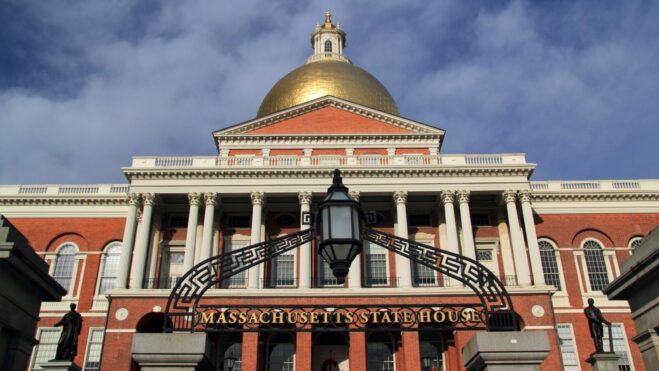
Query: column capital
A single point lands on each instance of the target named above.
(355, 195)
(194, 198)
(400, 197)
(447, 197)
(210, 198)
(525, 195)
(258, 198)
(304, 197)
(134, 199)
(463, 196)
(509, 195)
(149, 199)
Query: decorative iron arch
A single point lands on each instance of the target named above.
(189, 290)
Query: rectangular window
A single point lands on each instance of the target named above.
(171, 267)
(484, 255)
(239, 221)
(418, 220)
(375, 262)
(424, 276)
(568, 347)
(45, 350)
(619, 345)
(94, 347)
(178, 221)
(283, 270)
(480, 219)
(240, 279)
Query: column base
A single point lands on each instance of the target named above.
(53, 365)
(509, 350)
(604, 361)
(177, 351)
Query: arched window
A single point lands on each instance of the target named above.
(328, 46)
(549, 264)
(109, 267)
(597, 272)
(64, 264)
(281, 353)
(232, 358)
(380, 352)
(634, 243)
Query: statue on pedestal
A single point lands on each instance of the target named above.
(595, 321)
(67, 346)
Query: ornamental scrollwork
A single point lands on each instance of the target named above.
(400, 197)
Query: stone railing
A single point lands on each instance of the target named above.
(595, 185)
(63, 189)
(327, 161)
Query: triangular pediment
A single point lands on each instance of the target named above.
(329, 116)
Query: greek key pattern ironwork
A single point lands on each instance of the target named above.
(191, 287)
(473, 274)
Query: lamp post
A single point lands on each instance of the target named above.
(340, 228)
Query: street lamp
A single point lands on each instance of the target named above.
(340, 226)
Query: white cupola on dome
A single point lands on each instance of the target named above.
(328, 41)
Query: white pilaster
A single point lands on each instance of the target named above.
(531, 238)
(257, 210)
(451, 226)
(210, 200)
(191, 233)
(142, 243)
(305, 250)
(128, 240)
(519, 250)
(468, 247)
(355, 273)
(403, 265)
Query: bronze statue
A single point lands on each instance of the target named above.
(67, 347)
(595, 321)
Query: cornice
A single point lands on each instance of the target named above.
(328, 101)
(595, 196)
(207, 173)
(59, 200)
(328, 138)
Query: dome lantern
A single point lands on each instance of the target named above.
(328, 41)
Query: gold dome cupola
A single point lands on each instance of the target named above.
(328, 72)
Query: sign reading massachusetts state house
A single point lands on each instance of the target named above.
(352, 318)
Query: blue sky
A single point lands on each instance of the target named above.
(85, 85)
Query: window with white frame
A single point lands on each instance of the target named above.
(109, 267)
(486, 254)
(568, 347)
(238, 280)
(598, 275)
(424, 276)
(47, 347)
(548, 258)
(171, 267)
(634, 243)
(64, 267)
(375, 265)
(283, 270)
(619, 345)
(328, 46)
(94, 347)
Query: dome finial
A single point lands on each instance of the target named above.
(328, 19)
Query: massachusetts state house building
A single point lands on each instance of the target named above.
(120, 249)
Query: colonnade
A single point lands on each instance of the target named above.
(138, 225)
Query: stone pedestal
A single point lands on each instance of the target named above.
(60, 366)
(604, 361)
(648, 344)
(173, 352)
(503, 351)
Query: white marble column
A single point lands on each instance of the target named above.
(142, 243)
(355, 273)
(451, 226)
(257, 209)
(128, 240)
(519, 250)
(191, 233)
(210, 199)
(531, 238)
(468, 248)
(403, 265)
(305, 250)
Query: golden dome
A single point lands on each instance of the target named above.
(327, 77)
